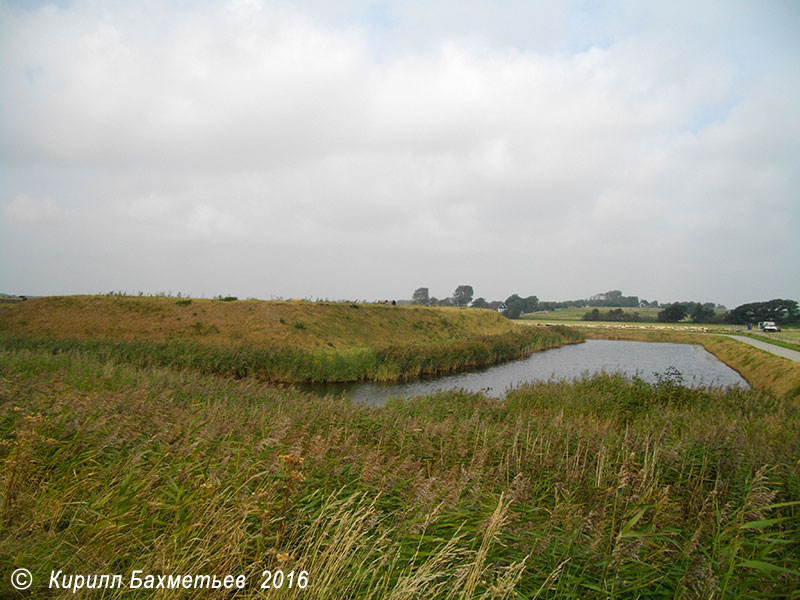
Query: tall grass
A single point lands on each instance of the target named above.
(291, 364)
(603, 488)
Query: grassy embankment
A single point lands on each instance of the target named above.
(276, 341)
(605, 488)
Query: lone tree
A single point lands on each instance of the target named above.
(463, 295)
(515, 306)
(420, 296)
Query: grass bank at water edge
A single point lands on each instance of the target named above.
(764, 371)
(603, 488)
(288, 364)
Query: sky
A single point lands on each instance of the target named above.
(361, 149)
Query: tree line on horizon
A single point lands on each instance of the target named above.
(516, 305)
(782, 311)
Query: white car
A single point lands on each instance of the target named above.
(770, 326)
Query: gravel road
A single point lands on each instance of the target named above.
(772, 348)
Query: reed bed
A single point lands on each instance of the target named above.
(293, 364)
(601, 488)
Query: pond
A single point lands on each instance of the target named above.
(698, 367)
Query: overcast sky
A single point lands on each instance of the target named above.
(361, 149)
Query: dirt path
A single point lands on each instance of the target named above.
(772, 348)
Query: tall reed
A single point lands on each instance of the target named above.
(291, 364)
(602, 488)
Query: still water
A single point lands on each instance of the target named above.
(698, 367)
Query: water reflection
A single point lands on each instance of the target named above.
(698, 367)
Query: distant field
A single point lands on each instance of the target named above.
(576, 314)
(8, 302)
(650, 315)
(788, 337)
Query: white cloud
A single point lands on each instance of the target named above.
(29, 209)
(421, 139)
